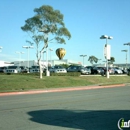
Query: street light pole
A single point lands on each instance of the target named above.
(106, 37)
(28, 47)
(126, 55)
(128, 44)
(18, 52)
(83, 58)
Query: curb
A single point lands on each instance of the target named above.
(60, 90)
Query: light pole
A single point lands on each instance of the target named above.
(50, 56)
(28, 47)
(107, 52)
(126, 55)
(18, 52)
(83, 58)
(128, 44)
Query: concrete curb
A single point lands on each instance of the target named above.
(60, 90)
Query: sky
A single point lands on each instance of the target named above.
(86, 20)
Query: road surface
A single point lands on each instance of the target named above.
(98, 109)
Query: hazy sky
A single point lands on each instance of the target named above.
(86, 20)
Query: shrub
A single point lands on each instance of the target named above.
(44, 74)
(66, 74)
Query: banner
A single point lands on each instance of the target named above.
(107, 51)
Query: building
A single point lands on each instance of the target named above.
(44, 62)
(4, 63)
(55, 62)
(64, 61)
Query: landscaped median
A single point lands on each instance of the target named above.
(10, 83)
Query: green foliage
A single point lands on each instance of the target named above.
(66, 74)
(50, 23)
(64, 65)
(112, 59)
(16, 82)
(93, 59)
(44, 74)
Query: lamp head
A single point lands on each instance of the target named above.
(127, 43)
(28, 47)
(31, 47)
(110, 37)
(106, 37)
(124, 50)
(83, 55)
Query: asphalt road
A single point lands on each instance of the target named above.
(98, 109)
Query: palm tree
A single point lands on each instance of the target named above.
(112, 59)
(93, 59)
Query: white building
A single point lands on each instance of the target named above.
(64, 61)
(4, 63)
(44, 63)
(53, 63)
(29, 63)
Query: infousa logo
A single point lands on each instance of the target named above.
(122, 124)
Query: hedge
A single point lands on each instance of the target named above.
(44, 74)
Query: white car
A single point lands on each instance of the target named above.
(118, 71)
(13, 69)
(58, 69)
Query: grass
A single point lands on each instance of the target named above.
(27, 82)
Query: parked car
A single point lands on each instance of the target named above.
(99, 70)
(90, 68)
(57, 69)
(24, 69)
(3, 69)
(94, 70)
(35, 69)
(117, 71)
(13, 69)
(87, 71)
(110, 70)
(125, 70)
(78, 68)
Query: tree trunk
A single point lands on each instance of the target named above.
(40, 67)
(40, 71)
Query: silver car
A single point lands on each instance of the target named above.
(78, 68)
(117, 71)
(57, 69)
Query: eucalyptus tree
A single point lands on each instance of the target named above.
(93, 59)
(45, 26)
